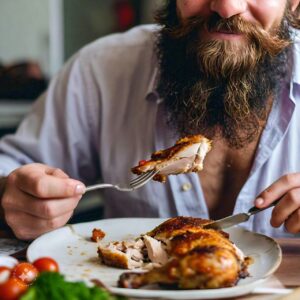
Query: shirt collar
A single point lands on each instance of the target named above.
(295, 60)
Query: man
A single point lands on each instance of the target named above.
(226, 69)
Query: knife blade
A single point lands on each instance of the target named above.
(236, 219)
(228, 221)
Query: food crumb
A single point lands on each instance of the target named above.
(97, 235)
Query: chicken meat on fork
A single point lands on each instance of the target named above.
(187, 155)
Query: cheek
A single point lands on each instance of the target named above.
(269, 13)
(190, 8)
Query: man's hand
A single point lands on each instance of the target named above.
(287, 211)
(37, 199)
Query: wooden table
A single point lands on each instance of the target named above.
(287, 275)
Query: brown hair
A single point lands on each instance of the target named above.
(293, 17)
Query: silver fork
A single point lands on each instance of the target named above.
(132, 185)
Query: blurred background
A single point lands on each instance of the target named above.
(38, 36)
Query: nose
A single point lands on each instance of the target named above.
(228, 8)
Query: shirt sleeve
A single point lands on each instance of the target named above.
(62, 127)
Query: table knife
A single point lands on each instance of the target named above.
(236, 219)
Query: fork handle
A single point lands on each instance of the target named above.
(253, 210)
(99, 186)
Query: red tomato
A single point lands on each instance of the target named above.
(25, 272)
(46, 264)
(12, 289)
(142, 162)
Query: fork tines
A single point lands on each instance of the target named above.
(143, 179)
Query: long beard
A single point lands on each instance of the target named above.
(218, 88)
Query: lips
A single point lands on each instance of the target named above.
(223, 30)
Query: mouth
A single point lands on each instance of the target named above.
(223, 34)
(224, 31)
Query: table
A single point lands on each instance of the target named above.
(287, 275)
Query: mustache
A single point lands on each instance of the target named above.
(272, 42)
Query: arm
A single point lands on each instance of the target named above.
(59, 135)
(2, 187)
(61, 129)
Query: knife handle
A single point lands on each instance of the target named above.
(253, 210)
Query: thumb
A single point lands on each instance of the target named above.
(259, 202)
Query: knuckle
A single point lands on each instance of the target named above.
(5, 201)
(57, 171)
(53, 223)
(48, 211)
(290, 179)
(21, 233)
(39, 186)
(10, 219)
(11, 179)
(293, 195)
(267, 194)
(291, 228)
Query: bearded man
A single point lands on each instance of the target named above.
(226, 69)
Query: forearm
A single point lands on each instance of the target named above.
(2, 187)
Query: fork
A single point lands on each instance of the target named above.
(132, 185)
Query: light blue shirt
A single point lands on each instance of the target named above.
(101, 115)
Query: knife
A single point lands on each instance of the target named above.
(236, 219)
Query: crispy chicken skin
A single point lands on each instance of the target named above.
(198, 258)
(187, 155)
(97, 235)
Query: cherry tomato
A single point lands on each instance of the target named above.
(142, 162)
(25, 272)
(46, 264)
(12, 289)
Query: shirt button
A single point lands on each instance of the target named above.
(186, 187)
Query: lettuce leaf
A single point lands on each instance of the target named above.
(52, 286)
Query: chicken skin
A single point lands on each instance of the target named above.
(197, 258)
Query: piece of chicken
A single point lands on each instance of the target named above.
(197, 258)
(187, 155)
(124, 254)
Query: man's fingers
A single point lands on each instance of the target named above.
(292, 224)
(278, 189)
(45, 209)
(286, 207)
(42, 185)
(56, 172)
(29, 227)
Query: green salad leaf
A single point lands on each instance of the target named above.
(53, 286)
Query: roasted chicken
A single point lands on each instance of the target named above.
(179, 253)
(187, 155)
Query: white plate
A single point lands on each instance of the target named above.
(77, 257)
